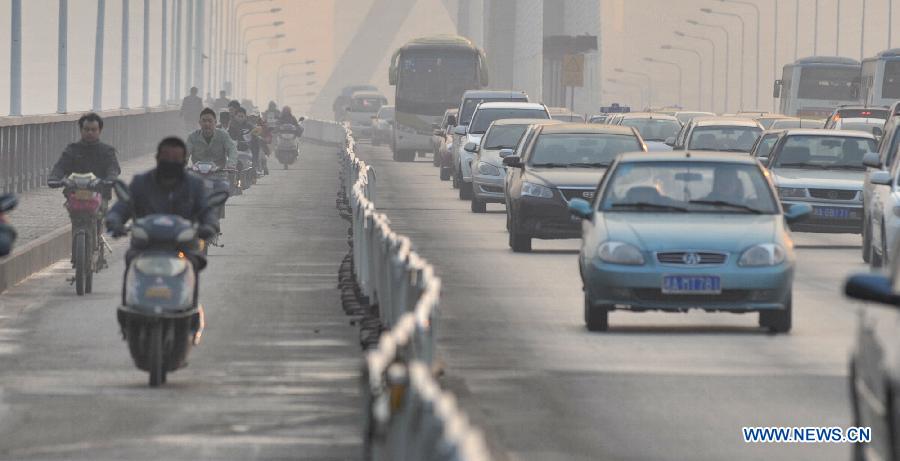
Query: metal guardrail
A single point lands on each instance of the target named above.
(30, 146)
(407, 415)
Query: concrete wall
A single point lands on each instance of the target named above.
(528, 54)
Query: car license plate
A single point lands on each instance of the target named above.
(84, 194)
(691, 284)
(840, 213)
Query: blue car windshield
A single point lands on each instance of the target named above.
(688, 187)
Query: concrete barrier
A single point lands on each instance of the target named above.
(35, 256)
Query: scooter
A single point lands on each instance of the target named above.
(216, 179)
(287, 148)
(245, 169)
(7, 233)
(160, 316)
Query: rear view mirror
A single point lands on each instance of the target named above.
(451, 120)
(506, 153)
(871, 287)
(670, 141)
(471, 147)
(513, 161)
(460, 131)
(797, 212)
(8, 202)
(581, 208)
(217, 199)
(872, 160)
(122, 191)
(881, 178)
(877, 132)
(688, 177)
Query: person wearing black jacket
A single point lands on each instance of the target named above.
(167, 189)
(88, 155)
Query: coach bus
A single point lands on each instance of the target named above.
(812, 87)
(430, 75)
(881, 78)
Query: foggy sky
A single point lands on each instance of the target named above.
(632, 29)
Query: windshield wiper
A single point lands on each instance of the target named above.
(735, 149)
(801, 165)
(727, 204)
(643, 205)
(844, 167)
(550, 165)
(589, 165)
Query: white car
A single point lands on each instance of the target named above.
(485, 114)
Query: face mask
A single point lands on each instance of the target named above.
(170, 170)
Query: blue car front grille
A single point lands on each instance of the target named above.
(700, 258)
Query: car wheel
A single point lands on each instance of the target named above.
(867, 244)
(777, 321)
(465, 190)
(596, 318)
(879, 258)
(518, 241)
(478, 206)
(445, 173)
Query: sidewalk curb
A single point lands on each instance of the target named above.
(35, 256)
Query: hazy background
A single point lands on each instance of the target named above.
(321, 30)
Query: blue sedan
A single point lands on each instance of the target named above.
(686, 230)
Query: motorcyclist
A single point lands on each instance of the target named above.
(7, 233)
(221, 103)
(241, 131)
(210, 144)
(287, 118)
(191, 106)
(167, 189)
(272, 114)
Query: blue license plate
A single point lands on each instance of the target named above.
(691, 284)
(840, 213)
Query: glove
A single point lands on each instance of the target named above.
(207, 232)
(115, 227)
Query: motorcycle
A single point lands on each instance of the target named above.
(287, 145)
(84, 201)
(160, 316)
(7, 233)
(216, 179)
(246, 171)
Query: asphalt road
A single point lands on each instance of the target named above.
(276, 376)
(656, 386)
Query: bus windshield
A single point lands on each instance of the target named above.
(891, 86)
(827, 82)
(431, 81)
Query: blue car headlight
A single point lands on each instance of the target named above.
(487, 169)
(791, 192)
(620, 253)
(536, 190)
(766, 254)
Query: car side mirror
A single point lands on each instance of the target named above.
(871, 287)
(877, 132)
(437, 132)
(121, 190)
(881, 178)
(581, 208)
(513, 161)
(872, 160)
(460, 130)
(797, 212)
(670, 141)
(8, 202)
(506, 153)
(451, 120)
(471, 147)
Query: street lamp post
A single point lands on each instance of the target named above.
(236, 36)
(123, 91)
(98, 56)
(649, 83)
(62, 73)
(15, 60)
(259, 58)
(699, 69)
(243, 40)
(145, 78)
(862, 31)
(712, 72)
(163, 51)
(281, 79)
(741, 80)
(727, 55)
(639, 87)
(758, 45)
(243, 70)
(680, 75)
